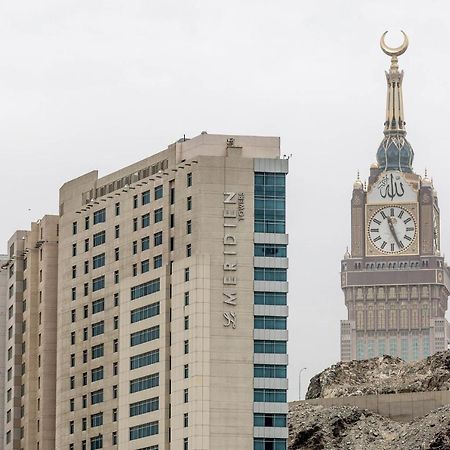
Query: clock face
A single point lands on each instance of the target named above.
(392, 229)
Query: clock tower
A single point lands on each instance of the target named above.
(395, 282)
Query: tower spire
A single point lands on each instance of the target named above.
(395, 152)
(395, 119)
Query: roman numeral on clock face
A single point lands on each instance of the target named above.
(392, 247)
(383, 214)
(392, 212)
(400, 214)
(377, 239)
(407, 237)
(383, 245)
(374, 230)
(407, 220)
(377, 221)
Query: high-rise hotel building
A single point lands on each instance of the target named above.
(3, 301)
(172, 301)
(30, 343)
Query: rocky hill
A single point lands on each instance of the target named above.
(316, 427)
(384, 375)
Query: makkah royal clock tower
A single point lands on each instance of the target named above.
(395, 281)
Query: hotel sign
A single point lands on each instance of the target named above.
(233, 213)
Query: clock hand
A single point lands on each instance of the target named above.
(391, 227)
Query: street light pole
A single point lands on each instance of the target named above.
(300, 383)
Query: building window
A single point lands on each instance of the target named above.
(117, 208)
(270, 371)
(270, 420)
(186, 443)
(144, 289)
(186, 298)
(189, 203)
(172, 220)
(99, 238)
(135, 201)
(144, 406)
(145, 243)
(186, 346)
(114, 438)
(98, 283)
(85, 334)
(72, 360)
(157, 261)
(186, 371)
(116, 322)
(74, 228)
(270, 298)
(186, 274)
(145, 266)
(74, 249)
(157, 238)
(86, 267)
(135, 224)
(186, 322)
(97, 442)
(145, 312)
(85, 356)
(98, 261)
(172, 243)
(71, 427)
(72, 404)
(158, 215)
(270, 395)
(73, 315)
(158, 192)
(117, 231)
(172, 194)
(269, 443)
(98, 328)
(189, 179)
(268, 346)
(96, 420)
(143, 383)
(144, 430)
(146, 197)
(270, 202)
(144, 359)
(271, 250)
(72, 338)
(116, 299)
(134, 270)
(115, 367)
(74, 293)
(72, 382)
(116, 276)
(270, 323)
(189, 227)
(97, 397)
(86, 289)
(188, 250)
(134, 247)
(97, 351)
(270, 274)
(74, 271)
(100, 216)
(98, 306)
(86, 245)
(115, 345)
(186, 395)
(147, 335)
(114, 415)
(145, 220)
(86, 223)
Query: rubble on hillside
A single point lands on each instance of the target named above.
(383, 375)
(315, 427)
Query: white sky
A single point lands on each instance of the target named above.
(98, 85)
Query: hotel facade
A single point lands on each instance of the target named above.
(30, 323)
(172, 311)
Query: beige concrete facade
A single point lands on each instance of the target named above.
(31, 337)
(3, 309)
(169, 241)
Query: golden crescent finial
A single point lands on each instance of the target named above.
(397, 51)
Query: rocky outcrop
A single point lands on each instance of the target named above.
(313, 427)
(384, 375)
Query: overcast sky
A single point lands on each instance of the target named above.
(100, 84)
